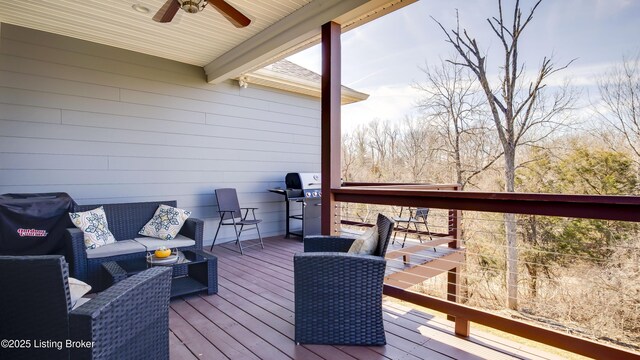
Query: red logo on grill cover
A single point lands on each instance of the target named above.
(32, 232)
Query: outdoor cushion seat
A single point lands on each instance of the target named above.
(121, 247)
(152, 244)
(125, 221)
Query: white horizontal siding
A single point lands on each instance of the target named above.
(107, 125)
(65, 145)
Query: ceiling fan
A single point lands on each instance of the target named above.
(170, 8)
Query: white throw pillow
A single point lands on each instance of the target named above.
(93, 224)
(165, 223)
(367, 243)
(77, 289)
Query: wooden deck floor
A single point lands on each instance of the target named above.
(252, 317)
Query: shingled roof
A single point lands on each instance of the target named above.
(288, 76)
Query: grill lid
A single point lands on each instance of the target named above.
(309, 183)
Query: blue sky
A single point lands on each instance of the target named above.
(382, 58)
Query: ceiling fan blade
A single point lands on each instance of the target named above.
(167, 12)
(232, 14)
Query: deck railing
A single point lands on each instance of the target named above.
(450, 202)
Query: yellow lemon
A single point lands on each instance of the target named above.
(162, 253)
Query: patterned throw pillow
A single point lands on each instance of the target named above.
(93, 224)
(165, 223)
(366, 244)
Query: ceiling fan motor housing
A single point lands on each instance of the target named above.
(192, 6)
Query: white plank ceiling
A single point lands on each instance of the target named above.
(195, 39)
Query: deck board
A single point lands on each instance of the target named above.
(177, 350)
(255, 344)
(192, 338)
(224, 342)
(252, 317)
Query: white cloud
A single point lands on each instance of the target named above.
(389, 102)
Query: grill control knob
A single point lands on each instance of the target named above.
(308, 194)
(315, 194)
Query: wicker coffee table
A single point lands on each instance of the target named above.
(195, 271)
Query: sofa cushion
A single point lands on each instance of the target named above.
(152, 244)
(367, 243)
(93, 224)
(117, 248)
(165, 223)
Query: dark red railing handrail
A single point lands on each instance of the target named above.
(399, 184)
(604, 207)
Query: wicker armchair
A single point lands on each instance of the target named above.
(125, 220)
(338, 296)
(130, 320)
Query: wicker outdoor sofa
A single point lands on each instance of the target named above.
(125, 220)
(129, 320)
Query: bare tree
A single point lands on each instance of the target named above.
(378, 145)
(417, 151)
(519, 111)
(356, 155)
(454, 104)
(349, 156)
(394, 137)
(620, 101)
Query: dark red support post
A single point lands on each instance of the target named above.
(330, 118)
(462, 327)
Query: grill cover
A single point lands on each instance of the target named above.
(34, 224)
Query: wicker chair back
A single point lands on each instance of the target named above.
(385, 228)
(25, 282)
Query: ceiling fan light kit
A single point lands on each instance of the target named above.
(169, 9)
(192, 6)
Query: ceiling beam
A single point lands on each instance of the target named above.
(302, 24)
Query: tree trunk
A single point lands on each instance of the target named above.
(533, 281)
(459, 179)
(510, 230)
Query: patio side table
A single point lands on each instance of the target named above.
(196, 271)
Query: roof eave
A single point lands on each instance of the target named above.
(271, 79)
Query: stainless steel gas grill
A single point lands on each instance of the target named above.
(302, 188)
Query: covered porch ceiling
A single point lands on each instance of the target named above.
(278, 28)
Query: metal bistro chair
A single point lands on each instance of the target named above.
(231, 214)
(420, 217)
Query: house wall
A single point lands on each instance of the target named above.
(108, 125)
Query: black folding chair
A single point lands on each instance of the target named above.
(231, 214)
(403, 223)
